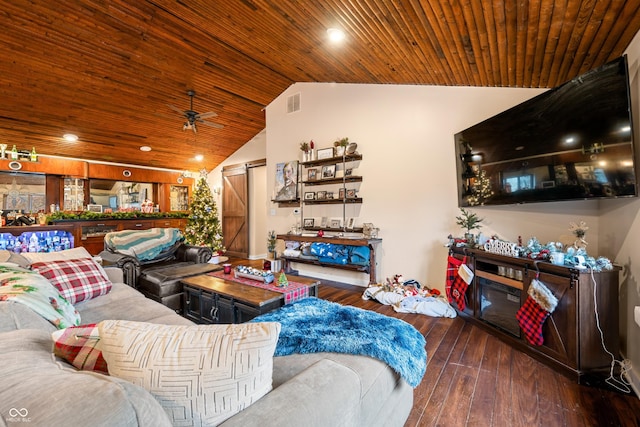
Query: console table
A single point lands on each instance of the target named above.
(372, 244)
(572, 342)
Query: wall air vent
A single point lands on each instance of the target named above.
(293, 103)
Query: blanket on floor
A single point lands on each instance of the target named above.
(314, 325)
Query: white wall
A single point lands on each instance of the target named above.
(620, 228)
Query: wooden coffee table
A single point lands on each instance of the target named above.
(209, 299)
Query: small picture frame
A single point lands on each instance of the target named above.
(329, 194)
(341, 193)
(350, 223)
(312, 174)
(325, 153)
(324, 221)
(336, 223)
(308, 222)
(348, 172)
(321, 195)
(351, 193)
(309, 195)
(94, 208)
(328, 171)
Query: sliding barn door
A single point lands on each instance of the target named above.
(235, 210)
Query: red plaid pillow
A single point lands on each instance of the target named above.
(78, 345)
(76, 279)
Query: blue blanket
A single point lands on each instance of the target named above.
(145, 245)
(314, 325)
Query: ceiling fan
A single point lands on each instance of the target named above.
(193, 117)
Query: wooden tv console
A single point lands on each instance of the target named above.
(572, 341)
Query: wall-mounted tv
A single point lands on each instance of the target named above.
(573, 142)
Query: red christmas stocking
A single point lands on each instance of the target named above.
(455, 285)
(540, 303)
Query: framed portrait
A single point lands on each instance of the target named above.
(324, 221)
(328, 171)
(312, 174)
(336, 223)
(329, 194)
(350, 223)
(321, 195)
(351, 193)
(308, 222)
(325, 153)
(341, 193)
(286, 187)
(309, 195)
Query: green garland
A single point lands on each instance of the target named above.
(88, 215)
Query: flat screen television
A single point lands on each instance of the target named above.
(573, 142)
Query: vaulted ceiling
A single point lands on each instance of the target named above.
(110, 70)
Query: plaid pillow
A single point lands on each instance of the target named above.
(79, 345)
(76, 279)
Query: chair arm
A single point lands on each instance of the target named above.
(129, 265)
(193, 253)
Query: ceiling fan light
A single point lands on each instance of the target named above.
(70, 137)
(145, 148)
(199, 157)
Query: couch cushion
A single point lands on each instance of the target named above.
(200, 374)
(79, 345)
(75, 253)
(76, 279)
(124, 302)
(377, 380)
(52, 393)
(26, 287)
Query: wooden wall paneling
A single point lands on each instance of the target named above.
(116, 172)
(51, 165)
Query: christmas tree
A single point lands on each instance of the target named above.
(203, 226)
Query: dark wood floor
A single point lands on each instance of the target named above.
(474, 379)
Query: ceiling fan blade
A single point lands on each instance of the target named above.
(206, 115)
(193, 126)
(213, 125)
(174, 108)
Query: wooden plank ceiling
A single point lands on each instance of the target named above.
(107, 69)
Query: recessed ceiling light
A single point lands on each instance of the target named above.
(199, 157)
(70, 137)
(145, 148)
(335, 35)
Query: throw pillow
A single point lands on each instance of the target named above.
(200, 374)
(76, 279)
(33, 290)
(75, 253)
(80, 346)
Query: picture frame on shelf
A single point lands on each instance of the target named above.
(351, 193)
(348, 172)
(336, 223)
(324, 221)
(328, 171)
(308, 222)
(350, 223)
(341, 193)
(312, 174)
(325, 153)
(309, 195)
(321, 195)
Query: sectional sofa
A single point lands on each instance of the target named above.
(321, 389)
